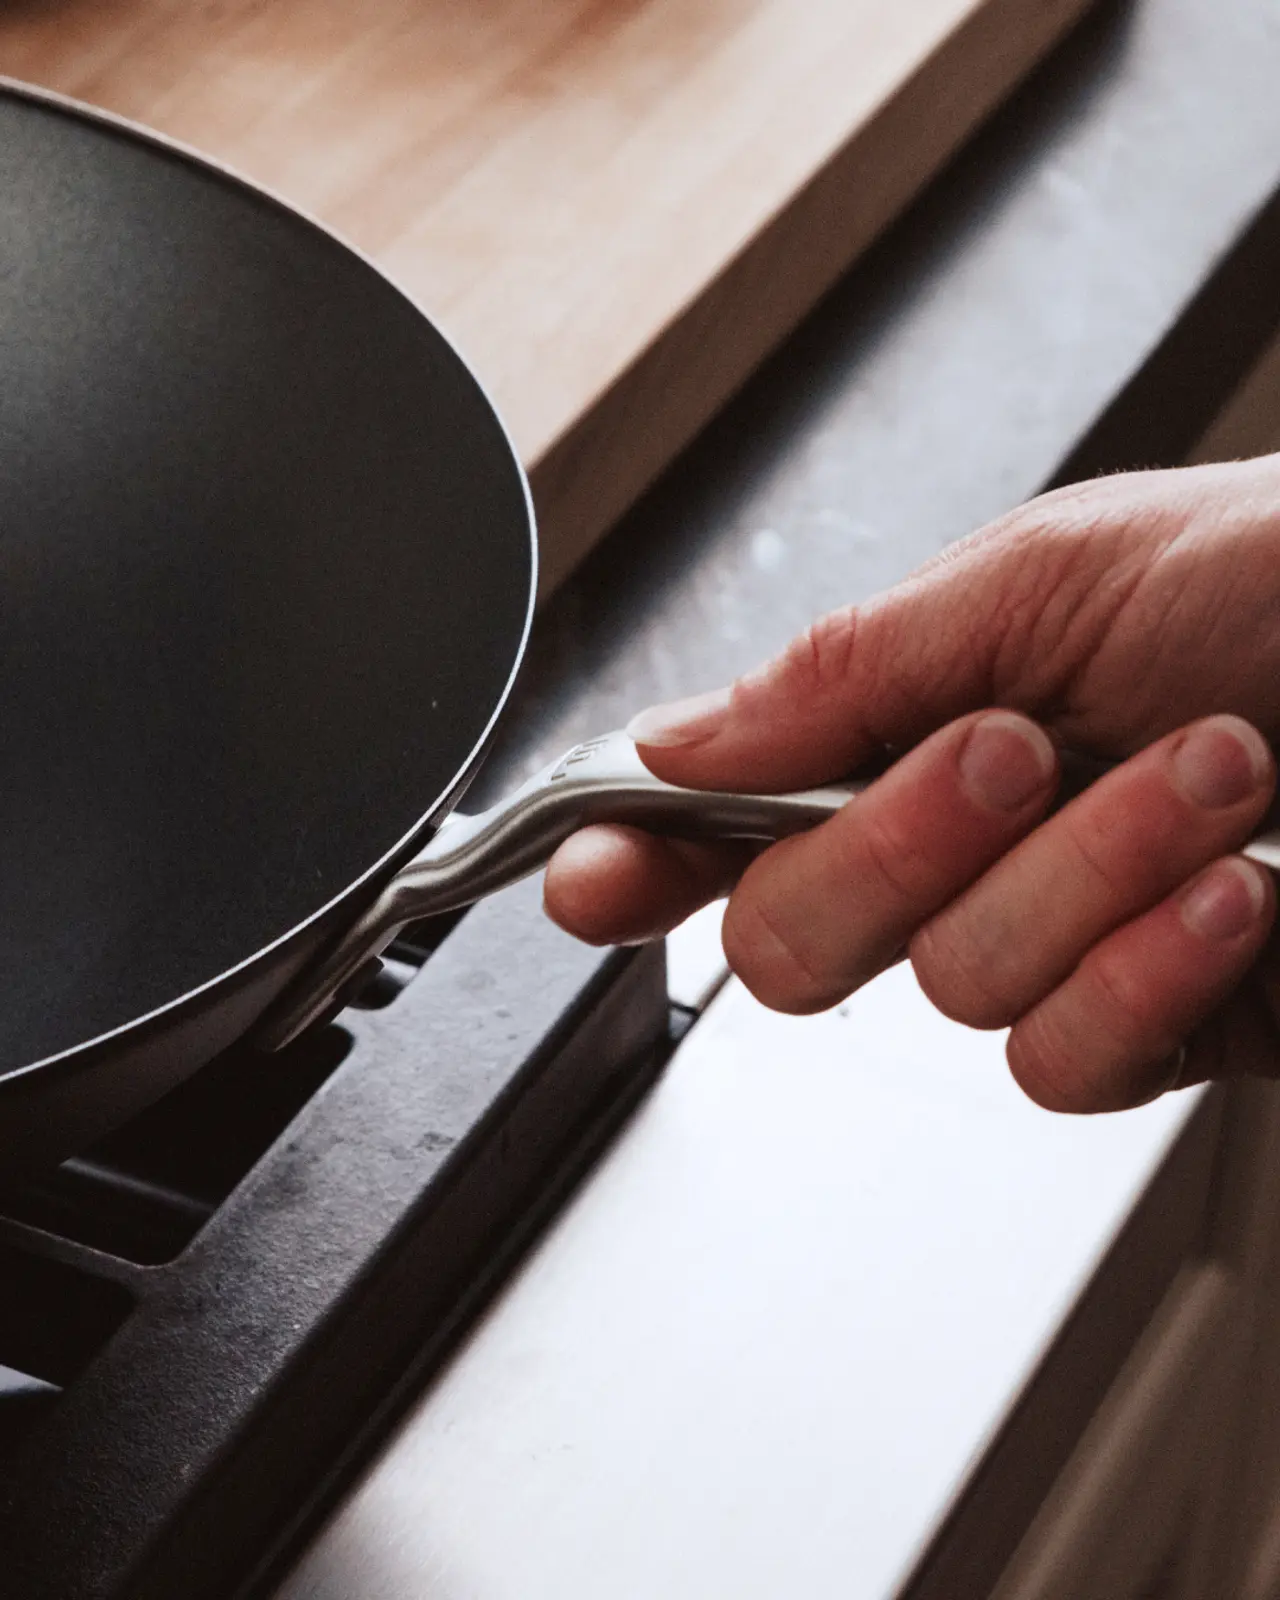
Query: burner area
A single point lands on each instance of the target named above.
(143, 1193)
(210, 1312)
(53, 1321)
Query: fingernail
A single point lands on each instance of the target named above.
(683, 721)
(1224, 902)
(1221, 761)
(1006, 760)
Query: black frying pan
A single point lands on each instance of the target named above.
(266, 567)
(266, 572)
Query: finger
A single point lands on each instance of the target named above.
(1005, 619)
(617, 885)
(1108, 1037)
(817, 915)
(1114, 852)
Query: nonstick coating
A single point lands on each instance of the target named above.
(265, 576)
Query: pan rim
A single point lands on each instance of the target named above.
(451, 792)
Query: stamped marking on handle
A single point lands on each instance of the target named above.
(575, 757)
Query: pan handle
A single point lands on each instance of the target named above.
(603, 780)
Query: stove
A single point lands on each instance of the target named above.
(210, 1315)
(210, 1322)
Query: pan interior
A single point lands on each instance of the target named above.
(265, 568)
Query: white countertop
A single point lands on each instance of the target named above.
(758, 1353)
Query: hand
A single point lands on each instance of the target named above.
(1136, 618)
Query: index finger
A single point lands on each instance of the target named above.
(959, 635)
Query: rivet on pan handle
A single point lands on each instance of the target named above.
(603, 780)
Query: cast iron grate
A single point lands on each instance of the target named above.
(53, 1320)
(143, 1193)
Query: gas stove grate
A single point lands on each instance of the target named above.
(208, 1317)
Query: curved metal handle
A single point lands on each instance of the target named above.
(603, 780)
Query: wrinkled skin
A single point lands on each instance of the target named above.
(1123, 940)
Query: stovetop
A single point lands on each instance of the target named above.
(207, 1322)
(212, 1311)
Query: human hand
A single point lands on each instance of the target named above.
(1135, 618)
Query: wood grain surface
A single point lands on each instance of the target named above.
(615, 207)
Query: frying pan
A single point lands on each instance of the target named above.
(266, 574)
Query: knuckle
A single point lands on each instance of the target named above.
(956, 984)
(767, 958)
(1098, 847)
(895, 857)
(821, 658)
(1097, 1051)
(1045, 1068)
(1128, 1005)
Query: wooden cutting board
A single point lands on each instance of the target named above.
(615, 207)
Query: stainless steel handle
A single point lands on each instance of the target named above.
(603, 780)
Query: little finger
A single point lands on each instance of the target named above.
(1109, 1035)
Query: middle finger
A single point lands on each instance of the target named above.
(817, 915)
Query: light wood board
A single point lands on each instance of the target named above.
(616, 208)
